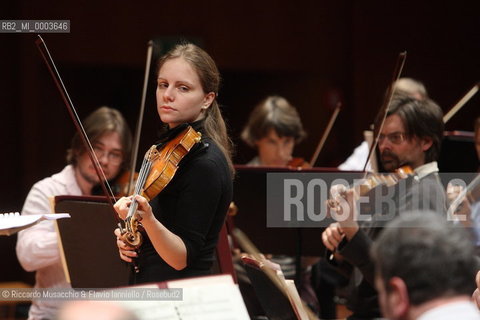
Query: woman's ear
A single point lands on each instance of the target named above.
(208, 99)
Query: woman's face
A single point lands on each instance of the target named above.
(275, 151)
(180, 96)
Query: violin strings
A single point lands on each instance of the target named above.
(142, 178)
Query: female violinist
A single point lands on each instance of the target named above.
(182, 222)
(274, 128)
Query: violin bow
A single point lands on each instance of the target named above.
(461, 102)
(326, 133)
(138, 130)
(42, 47)
(386, 103)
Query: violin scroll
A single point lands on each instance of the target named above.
(131, 233)
(337, 191)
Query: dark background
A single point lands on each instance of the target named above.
(307, 51)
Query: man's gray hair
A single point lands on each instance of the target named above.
(432, 256)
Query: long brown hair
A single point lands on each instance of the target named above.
(209, 76)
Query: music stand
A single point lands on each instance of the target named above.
(458, 153)
(250, 196)
(274, 301)
(90, 253)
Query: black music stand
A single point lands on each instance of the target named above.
(250, 196)
(274, 302)
(458, 152)
(89, 245)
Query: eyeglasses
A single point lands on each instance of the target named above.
(114, 157)
(395, 137)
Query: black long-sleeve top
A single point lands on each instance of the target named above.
(192, 206)
(422, 192)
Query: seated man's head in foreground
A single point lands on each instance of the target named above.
(422, 262)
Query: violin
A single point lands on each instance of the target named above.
(298, 163)
(366, 185)
(121, 185)
(372, 181)
(158, 168)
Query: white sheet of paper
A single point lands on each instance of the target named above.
(212, 298)
(14, 220)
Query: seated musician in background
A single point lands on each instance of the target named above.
(408, 86)
(273, 128)
(183, 221)
(37, 246)
(411, 136)
(425, 269)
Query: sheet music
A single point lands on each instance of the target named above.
(201, 281)
(202, 300)
(13, 222)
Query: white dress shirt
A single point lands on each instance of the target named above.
(357, 159)
(461, 310)
(37, 246)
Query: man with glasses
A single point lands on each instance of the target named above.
(411, 136)
(37, 246)
(407, 86)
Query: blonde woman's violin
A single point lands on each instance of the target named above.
(158, 168)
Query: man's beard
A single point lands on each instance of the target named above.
(390, 161)
(93, 180)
